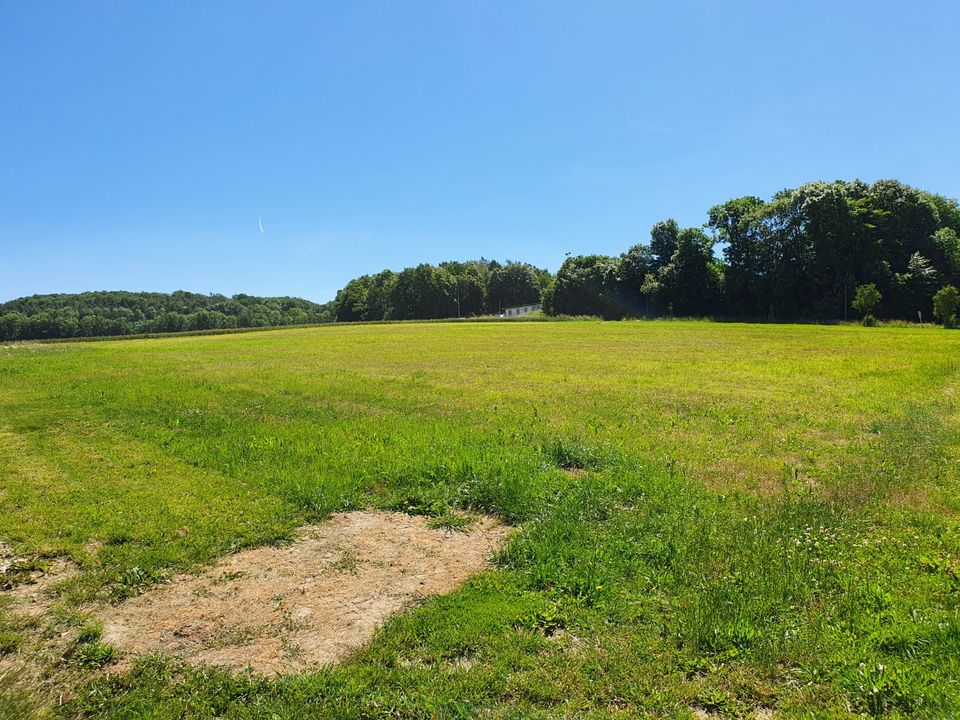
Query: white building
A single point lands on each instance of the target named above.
(520, 310)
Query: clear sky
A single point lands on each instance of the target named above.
(140, 142)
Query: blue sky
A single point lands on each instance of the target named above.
(141, 141)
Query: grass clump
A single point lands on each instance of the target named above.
(87, 652)
(93, 655)
(452, 521)
(9, 641)
(90, 633)
(571, 455)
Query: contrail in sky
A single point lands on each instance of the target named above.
(260, 223)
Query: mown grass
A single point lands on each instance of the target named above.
(713, 517)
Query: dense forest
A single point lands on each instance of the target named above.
(801, 255)
(95, 314)
(813, 252)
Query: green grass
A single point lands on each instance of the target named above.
(719, 517)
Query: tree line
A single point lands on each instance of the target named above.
(800, 255)
(107, 313)
(450, 289)
(815, 252)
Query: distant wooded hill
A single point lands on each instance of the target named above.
(97, 314)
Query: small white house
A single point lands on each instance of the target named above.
(520, 310)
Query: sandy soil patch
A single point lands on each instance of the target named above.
(7, 556)
(310, 603)
(27, 593)
(27, 584)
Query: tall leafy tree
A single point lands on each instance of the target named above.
(916, 286)
(511, 285)
(691, 280)
(11, 325)
(737, 223)
(903, 220)
(471, 278)
(588, 285)
(663, 242)
(422, 293)
(351, 301)
(471, 291)
(377, 303)
(947, 243)
(633, 267)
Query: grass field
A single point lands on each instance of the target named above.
(714, 518)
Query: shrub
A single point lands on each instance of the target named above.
(865, 301)
(945, 304)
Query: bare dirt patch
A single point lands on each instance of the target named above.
(310, 603)
(7, 556)
(27, 594)
(27, 583)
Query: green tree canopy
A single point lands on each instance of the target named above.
(866, 299)
(945, 304)
(105, 313)
(512, 285)
(588, 285)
